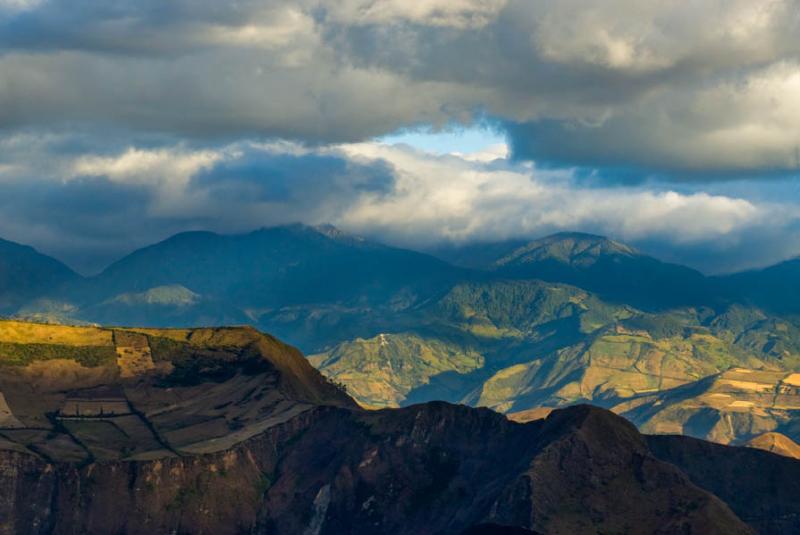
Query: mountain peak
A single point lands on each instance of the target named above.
(8, 245)
(335, 233)
(572, 248)
(615, 271)
(776, 443)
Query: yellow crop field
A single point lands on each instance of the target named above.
(18, 332)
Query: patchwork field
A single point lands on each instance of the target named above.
(86, 393)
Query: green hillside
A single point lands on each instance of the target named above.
(549, 345)
(381, 371)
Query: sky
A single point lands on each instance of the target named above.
(673, 125)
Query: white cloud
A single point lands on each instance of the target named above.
(464, 198)
(136, 195)
(18, 5)
(148, 166)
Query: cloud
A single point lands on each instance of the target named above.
(461, 14)
(673, 88)
(91, 208)
(153, 117)
(467, 199)
(734, 126)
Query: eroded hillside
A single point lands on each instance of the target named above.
(80, 394)
(229, 430)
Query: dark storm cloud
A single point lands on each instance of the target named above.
(667, 86)
(86, 221)
(111, 205)
(289, 178)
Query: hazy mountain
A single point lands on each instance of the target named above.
(613, 270)
(311, 285)
(230, 431)
(775, 288)
(275, 267)
(26, 274)
(479, 255)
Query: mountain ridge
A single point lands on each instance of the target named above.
(399, 327)
(614, 271)
(326, 466)
(26, 274)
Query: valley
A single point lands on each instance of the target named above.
(571, 318)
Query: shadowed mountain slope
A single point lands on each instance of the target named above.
(734, 406)
(312, 285)
(26, 274)
(229, 431)
(616, 272)
(775, 288)
(759, 486)
(274, 267)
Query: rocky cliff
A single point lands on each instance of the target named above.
(230, 431)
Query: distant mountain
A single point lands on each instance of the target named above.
(613, 365)
(308, 284)
(574, 249)
(479, 255)
(26, 274)
(231, 431)
(277, 266)
(383, 370)
(515, 345)
(616, 272)
(776, 443)
(775, 288)
(462, 339)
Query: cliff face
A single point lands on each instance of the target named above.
(761, 487)
(433, 468)
(221, 492)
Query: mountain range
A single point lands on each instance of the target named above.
(567, 319)
(26, 274)
(228, 430)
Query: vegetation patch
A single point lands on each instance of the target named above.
(19, 332)
(24, 354)
(194, 364)
(380, 371)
